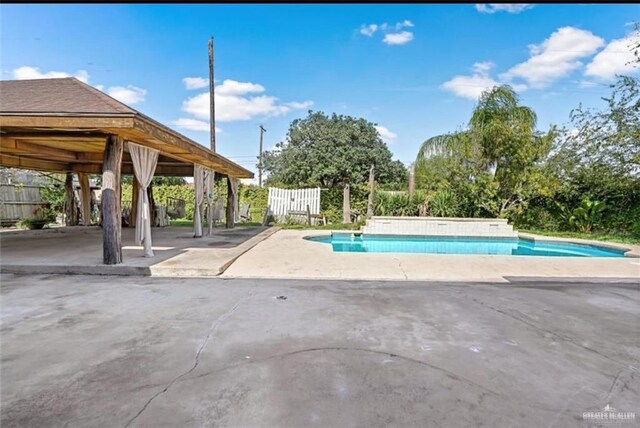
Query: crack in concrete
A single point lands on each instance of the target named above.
(401, 268)
(203, 345)
(449, 374)
(544, 330)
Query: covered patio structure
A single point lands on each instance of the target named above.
(65, 125)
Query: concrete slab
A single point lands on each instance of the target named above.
(287, 255)
(155, 352)
(78, 250)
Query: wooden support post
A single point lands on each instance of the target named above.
(308, 215)
(371, 190)
(135, 193)
(111, 204)
(152, 205)
(231, 215)
(85, 198)
(70, 204)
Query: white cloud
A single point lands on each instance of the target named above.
(556, 57)
(295, 105)
(385, 134)
(128, 95)
(26, 72)
(393, 34)
(232, 87)
(398, 38)
(368, 30)
(234, 101)
(502, 7)
(616, 58)
(471, 87)
(194, 125)
(195, 82)
(586, 84)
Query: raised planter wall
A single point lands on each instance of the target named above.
(439, 226)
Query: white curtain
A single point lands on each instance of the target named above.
(198, 181)
(236, 211)
(209, 179)
(144, 162)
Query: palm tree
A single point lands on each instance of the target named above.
(496, 117)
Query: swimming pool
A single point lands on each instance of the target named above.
(345, 242)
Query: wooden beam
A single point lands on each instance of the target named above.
(127, 169)
(111, 204)
(139, 129)
(16, 146)
(13, 161)
(66, 123)
(204, 156)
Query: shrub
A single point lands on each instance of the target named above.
(443, 203)
(587, 216)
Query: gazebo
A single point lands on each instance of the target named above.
(65, 125)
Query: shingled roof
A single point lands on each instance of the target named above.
(58, 96)
(61, 124)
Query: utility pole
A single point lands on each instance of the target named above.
(262, 131)
(212, 102)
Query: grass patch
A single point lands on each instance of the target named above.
(183, 222)
(336, 226)
(596, 236)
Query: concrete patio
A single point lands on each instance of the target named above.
(78, 250)
(92, 351)
(287, 255)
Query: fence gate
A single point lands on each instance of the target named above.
(18, 202)
(282, 202)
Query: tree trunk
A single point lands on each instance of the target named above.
(152, 205)
(135, 192)
(70, 205)
(371, 190)
(230, 205)
(85, 198)
(346, 201)
(111, 204)
(412, 180)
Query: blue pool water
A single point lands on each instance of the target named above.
(345, 242)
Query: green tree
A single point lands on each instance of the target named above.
(610, 136)
(497, 153)
(331, 151)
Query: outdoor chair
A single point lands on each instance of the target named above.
(244, 212)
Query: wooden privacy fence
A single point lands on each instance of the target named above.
(285, 202)
(18, 202)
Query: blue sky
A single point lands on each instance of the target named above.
(415, 70)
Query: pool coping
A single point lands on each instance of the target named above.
(629, 250)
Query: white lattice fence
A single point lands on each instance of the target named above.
(284, 201)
